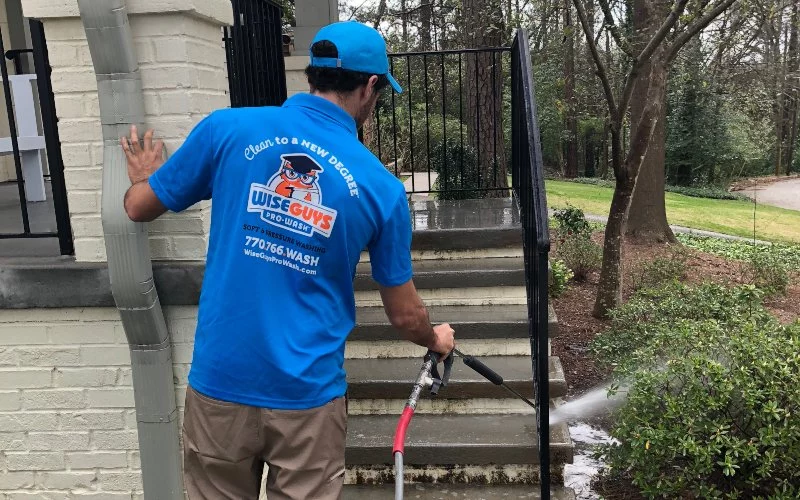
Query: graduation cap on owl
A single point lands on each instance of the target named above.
(301, 163)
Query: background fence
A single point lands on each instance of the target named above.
(25, 145)
(449, 131)
(254, 49)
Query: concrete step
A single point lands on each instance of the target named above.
(475, 296)
(454, 439)
(393, 378)
(454, 491)
(465, 224)
(455, 273)
(470, 322)
(390, 349)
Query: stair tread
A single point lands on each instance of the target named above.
(457, 265)
(454, 273)
(393, 378)
(454, 491)
(470, 321)
(502, 313)
(454, 439)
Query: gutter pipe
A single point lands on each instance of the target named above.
(119, 88)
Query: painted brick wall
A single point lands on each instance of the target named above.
(182, 64)
(296, 80)
(67, 418)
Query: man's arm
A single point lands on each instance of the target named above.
(408, 314)
(141, 202)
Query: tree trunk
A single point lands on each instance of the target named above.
(774, 42)
(609, 290)
(379, 15)
(426, 14)
(570, 134)
(648, 215)
(789, 99)
(484, 29)
(404, 22)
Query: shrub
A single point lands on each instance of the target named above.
(712, 403)
(458, 169)
(560, 275)
(788, 254)
(767, 272)
(580, 254)
(661, 270)
(571, 221)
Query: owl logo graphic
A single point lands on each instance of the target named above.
(298, 178)
(292, 198)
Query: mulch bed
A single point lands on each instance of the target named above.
(577, 327)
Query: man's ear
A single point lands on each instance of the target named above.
(371, 83)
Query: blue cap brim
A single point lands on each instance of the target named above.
(396, 86)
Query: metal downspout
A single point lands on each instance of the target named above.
(119, 88)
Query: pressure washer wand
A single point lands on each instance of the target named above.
(490, 375)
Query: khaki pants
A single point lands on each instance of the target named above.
(226, 446)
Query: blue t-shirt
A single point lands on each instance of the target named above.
(296, 198)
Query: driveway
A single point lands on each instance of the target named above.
(784, 194)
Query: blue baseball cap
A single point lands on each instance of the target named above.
(360, 48)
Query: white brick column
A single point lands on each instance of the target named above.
(182, 63)
(311, 15)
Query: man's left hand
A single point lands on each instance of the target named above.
(144, 158)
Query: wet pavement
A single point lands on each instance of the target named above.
(493, 213)
(584, 468)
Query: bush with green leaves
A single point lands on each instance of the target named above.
(560, 275)
(788, 254)
(458, 169)
(571, 221)
(661, 270)
(712, 408)
(581, 255)
(767, 272)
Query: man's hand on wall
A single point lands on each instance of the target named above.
(143, 158)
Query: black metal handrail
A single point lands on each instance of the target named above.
(49, 122)
(528, 187)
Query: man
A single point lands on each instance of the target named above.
(296, 198)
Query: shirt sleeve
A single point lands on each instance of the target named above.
(188, 175)
(390, 250)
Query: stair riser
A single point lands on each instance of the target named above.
(475, 296)
(475, 406)
(458, 474)
(454, 455)
(484, 253)
(403, 349)
(498, 331)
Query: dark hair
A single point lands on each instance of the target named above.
(337, 79)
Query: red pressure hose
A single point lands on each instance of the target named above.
(423, 379)
(402, 427)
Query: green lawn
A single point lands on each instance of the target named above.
(723, 216)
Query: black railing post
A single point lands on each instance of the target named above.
(12, 127)
(55, 162)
